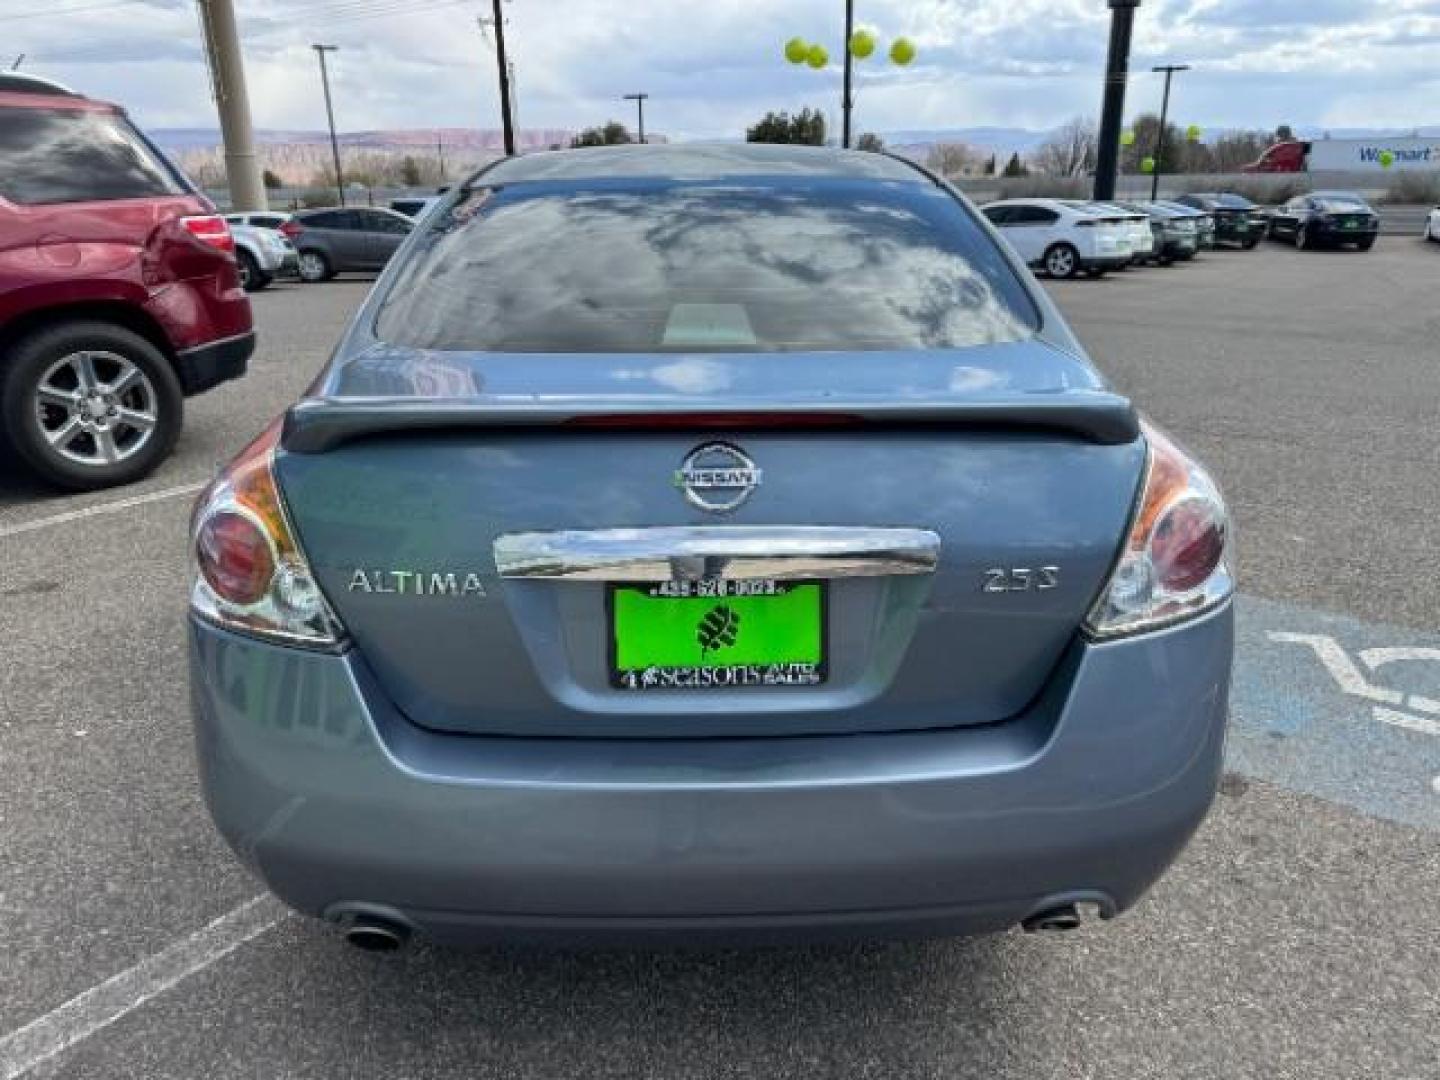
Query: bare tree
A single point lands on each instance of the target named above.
(1069, 151)
(1237, 148)
(951, 158)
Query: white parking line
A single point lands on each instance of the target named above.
(1422, 724)
(102, 1005)
(96, 511)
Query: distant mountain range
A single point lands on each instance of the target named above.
(997, 139)
(420, 139)
(303, 156)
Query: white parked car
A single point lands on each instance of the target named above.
(1142, 236)
(1432, 225)
(1062, 237)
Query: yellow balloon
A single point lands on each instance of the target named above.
(902, 51)
(817, 57)
(862, 44)
(797, 50)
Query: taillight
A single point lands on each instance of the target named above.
(210, 229)
(291, 229)
(1175, 562)
(235, 556)
(251, 575)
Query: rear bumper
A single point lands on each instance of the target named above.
(1238, 234)
(1179, 246)
(207, 366)
(341, 805)
(1333, 234)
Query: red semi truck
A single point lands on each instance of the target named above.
(1347, 155)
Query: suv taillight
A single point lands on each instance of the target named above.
(210, 229)
(292, 229)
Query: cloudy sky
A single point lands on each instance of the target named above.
(711, 66)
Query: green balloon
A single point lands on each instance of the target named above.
(1127, 138)
(1386, 159)
(1147, 165)
(817, 57)
(797, 50)
(902, 51)
(1193, 133)
(862, 44)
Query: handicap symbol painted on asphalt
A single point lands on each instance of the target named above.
(1338, 708)
(1352, 681)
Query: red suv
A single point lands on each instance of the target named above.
(119, 293)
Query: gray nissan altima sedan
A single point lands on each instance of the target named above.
(693, 544)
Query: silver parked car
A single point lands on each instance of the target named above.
(262, 255)
(709, 543)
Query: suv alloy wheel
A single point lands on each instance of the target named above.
(89, 404)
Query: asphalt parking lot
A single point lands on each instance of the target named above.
(1294, 938)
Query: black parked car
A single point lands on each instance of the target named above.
(334, 240)
(1326, 218)
(1237, 219)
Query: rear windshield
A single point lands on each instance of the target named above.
(1343, 203)
(637, 266)
(65, 155)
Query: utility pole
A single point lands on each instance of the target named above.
(1168, 70)
(320, 51)
(639, 100)
(506, 118)
(440, 153)
(846, 101)
(227, 83)
(1117, 71)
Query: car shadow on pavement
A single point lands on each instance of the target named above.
(17, 485)
(891, 1009)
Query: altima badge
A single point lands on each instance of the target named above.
(717, 477)
(416, 583)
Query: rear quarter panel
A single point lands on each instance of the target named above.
(131, 251)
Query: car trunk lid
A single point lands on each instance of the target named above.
(935, 534)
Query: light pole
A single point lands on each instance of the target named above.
(506, 118)
(1169, 71)
(320, 51)
(639, 100)
(1117, 71)
(846, 101)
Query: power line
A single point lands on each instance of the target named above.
(78, 9)
(349, 15)
(416, 9)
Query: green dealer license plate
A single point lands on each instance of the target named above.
(717, 635)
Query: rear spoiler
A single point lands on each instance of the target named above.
(316, 425)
